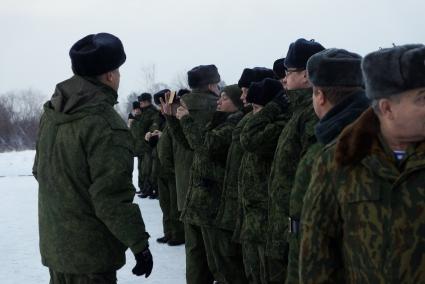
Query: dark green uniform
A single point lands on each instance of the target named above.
(201, 106)
(327, 130)
(294, 140)
(363, 214)
(211, 144)
(84, 165)
(149, 120)
(258, 139)
(173, 227)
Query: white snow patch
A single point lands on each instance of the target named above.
(19, 254)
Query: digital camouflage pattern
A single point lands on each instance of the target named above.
(294, 141)
(258, 139)
(229, 207)
(327, 131)
(84, 165)
(173, 227)
(210, 144)
(363, 214)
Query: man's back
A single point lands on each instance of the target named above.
(84, 167)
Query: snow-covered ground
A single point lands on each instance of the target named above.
(19, 254)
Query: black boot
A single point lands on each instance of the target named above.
(175, 242)
(162, 240)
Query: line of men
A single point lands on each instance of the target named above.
(311, 172)
(314, 178)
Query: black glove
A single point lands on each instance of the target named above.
(282, 100)
(144, 263)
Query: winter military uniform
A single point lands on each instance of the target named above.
(201, 105)
(347, 106)
(258, 139)
(357, 188)
(210, 146)
(149, 120)
(294, 140)
(86, 218)
(363, 211)
(326, 130)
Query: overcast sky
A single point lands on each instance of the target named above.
(176, 35)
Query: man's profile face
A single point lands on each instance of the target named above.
(408, 115)
(295, 79)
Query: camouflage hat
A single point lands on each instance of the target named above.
(335, 67)
(203, 75)
(391, 71)
(96, 54)
(255, 74)
(234, 93)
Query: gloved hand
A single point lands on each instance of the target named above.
(282, 100)
(144, 263)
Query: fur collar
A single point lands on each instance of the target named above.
(356, 140)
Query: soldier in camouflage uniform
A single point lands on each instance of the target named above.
(84, 165)
(363, 214)
(294, 140)
(338, 99)
(229, 212)
(149, 121)
(258, 139)
(173, 227)
(201, 104)
(134, 114)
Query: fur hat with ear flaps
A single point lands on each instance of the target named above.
(335, 67)
(391, 71)
(256, 74)
(261, 93)
(97, 54)
(300, 51)
(202, 75)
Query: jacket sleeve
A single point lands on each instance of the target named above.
(263, 130)
(177, 131)
(110, 159)
(320, 252)
(165, 151)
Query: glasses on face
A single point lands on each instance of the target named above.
(290, 71)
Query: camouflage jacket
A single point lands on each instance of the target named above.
(202, 106)
(363, 214)
(210, 144)
(258, 139)
(165, 149)
(149, 120)
(84, 166)
(294, 141)
(327, 130)
(229, 205)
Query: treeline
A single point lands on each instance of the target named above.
(19, 118)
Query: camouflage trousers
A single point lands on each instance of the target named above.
(294, 249)
(198, 269)
(259, 268)
(225, 254)
(95, 278)
(173, 227)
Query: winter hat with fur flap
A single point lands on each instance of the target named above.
(335, 67)
(391, 71)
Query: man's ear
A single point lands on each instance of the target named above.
(320, 97)
(109, 76)
(385, 108)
